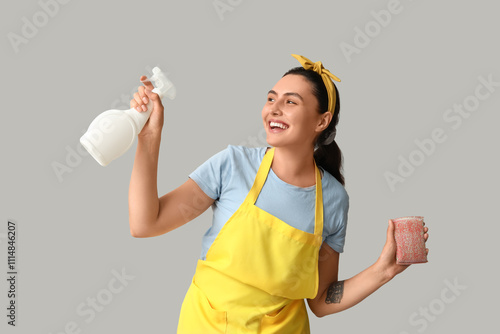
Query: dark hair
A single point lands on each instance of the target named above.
(327, 156)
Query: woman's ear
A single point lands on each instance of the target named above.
(325, 120)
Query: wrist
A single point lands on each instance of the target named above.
(382, 273)
(149, 143)
(150, 137)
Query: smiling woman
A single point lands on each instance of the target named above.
(315, 98)
(279, 215)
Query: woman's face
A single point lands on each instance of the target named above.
(290, 115)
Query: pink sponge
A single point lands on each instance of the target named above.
(409, 234)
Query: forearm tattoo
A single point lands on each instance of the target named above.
(335, 292)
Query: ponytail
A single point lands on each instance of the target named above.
(327, 153)
(330, 158)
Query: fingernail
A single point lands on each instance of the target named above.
(144, 108)
(145, 100)
(138, 108)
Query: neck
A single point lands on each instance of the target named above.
(295, 165)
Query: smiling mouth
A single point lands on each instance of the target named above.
(277, 125)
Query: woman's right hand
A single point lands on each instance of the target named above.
(141, 98)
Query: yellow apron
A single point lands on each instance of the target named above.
(257, 272)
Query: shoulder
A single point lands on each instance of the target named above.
(334, 191)
(235, 156)
(246, 151)
(336, 209)
(243, 155)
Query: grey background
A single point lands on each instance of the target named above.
(73, 230)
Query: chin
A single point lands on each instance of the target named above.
(271, 140)
(274, 142)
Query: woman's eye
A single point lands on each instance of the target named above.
(291, 102)
(270, 99)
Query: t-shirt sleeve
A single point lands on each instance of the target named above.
(336, 240)
(211, 174)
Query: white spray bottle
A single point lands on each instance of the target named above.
(113, 132)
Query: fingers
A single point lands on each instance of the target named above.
(145, 94)
(390, 240)
(390, 230)
(157, 105)
(149, 94)
(146, 82)
(141, 99)
(426, 236)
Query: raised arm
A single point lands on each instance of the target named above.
(149, 215)
(335, 296)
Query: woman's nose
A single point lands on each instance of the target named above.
(275, 111)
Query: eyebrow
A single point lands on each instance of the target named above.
(287, 94)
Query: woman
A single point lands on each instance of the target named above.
(256, 270)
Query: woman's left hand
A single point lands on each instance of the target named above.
(387, 260)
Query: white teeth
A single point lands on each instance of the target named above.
(279, 125)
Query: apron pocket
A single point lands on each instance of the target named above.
(291, 318)
(198, 316)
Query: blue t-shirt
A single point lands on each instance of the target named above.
(228, 176)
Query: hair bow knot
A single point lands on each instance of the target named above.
(326, 75)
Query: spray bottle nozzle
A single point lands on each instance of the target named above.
(163, 86)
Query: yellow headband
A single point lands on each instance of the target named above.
(325, 74)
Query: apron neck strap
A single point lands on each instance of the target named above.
(318, 221)
(261, 177)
